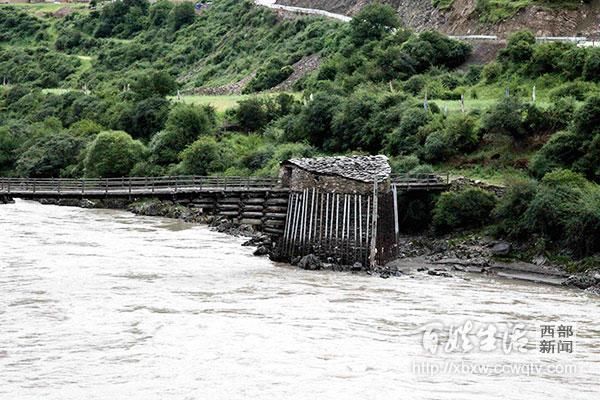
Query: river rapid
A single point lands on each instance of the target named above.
(102, 304)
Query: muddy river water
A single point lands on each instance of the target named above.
(102, 304)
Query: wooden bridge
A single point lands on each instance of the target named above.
(167, 186)
(133, 186)
(343, 226)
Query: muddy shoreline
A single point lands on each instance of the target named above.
(443, 257)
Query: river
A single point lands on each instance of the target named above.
(99, 304)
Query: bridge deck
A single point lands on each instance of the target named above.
(167, 186)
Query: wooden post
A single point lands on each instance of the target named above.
(303, 219)
(293, 232)
(344, 217)
(360, 225)
(337, 222)
(396, 227)
(311, 216)
(326, 225)
(286, 229)
(355, 227)
(295, 229)
(321, 223)
(373, 255)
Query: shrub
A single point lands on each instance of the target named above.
(572, 62)
(182, 14)
(491, 71)
(470, 208)
(505, 118)
(510, 210)
(404, 164)
(519, 48)
(587, 118)
(437, 147)
(563, 210)
(154, 84)
(252, 114)
(577, 90)
(191, 121)
(9, 143)
(147, 117)
(112, 154)
(315, 119)
(415, 84)
(561, 150)
(431, 48)
(589, 164)
(373, 22)
(547, 58)
(271, 74)
(591, 68)
(49, 155)
(404, 139)
(202, 157)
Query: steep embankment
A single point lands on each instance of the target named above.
(464, 17)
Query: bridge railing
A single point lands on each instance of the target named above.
(132, 185)
(408, 180)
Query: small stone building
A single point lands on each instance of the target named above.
(343, 174)
(339, 208)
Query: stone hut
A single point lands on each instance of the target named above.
(339, 208)
(343, 174)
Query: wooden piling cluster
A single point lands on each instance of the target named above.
(330, 225)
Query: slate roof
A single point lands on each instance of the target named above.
(358, 168)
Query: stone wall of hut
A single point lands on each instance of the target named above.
(298, 179)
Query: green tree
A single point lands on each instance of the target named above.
(252, 114)
(404, 139)
(470, 208)
(203, 157)
(9, 143)
(561, 151)
(519, 48)
(49, 155)
(112, 154)
(158, 14)
(587, 118)
(505, 118)
(154, 84)
(184, 125)
(181, 15)
(147, 117)
(373, 22)
(591, 68)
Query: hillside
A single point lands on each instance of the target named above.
(98, 94)
(469, 17)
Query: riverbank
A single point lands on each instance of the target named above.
(445, 257)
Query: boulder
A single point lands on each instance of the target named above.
(357, 267)
(261, 251)
(501, 248)
(583, 280)
(438, 272)
(310, 262)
